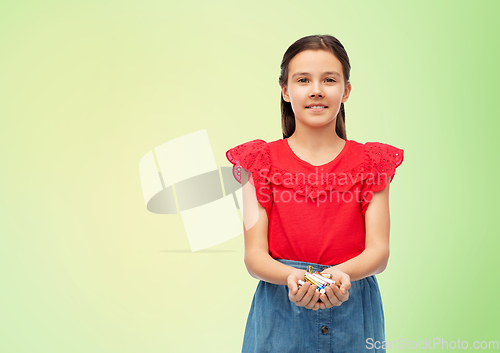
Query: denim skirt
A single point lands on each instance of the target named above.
(277, 325)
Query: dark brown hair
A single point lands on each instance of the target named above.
(313, 42)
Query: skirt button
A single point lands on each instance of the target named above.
(324, 330)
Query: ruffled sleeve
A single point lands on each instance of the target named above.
(381, 161)
(255, 157)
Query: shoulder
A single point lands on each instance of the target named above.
(258, 147)
(379, 168)
(369, 152)
(380, 147)
(247, 152)
(253, 156)
(250, 145)
(375, 163)
(382, 156)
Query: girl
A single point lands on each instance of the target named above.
(315, 198)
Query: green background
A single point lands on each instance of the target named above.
(87, 88)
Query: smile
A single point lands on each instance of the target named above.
(317, 107)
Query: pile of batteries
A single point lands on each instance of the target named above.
(320, 280)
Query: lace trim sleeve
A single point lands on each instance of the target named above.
(381, 161)
(255, 157)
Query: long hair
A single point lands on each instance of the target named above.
(313, 42)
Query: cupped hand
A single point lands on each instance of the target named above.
(336, 294)
(305, 296)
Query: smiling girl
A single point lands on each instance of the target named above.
(315, 198)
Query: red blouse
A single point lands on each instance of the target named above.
(316, 213)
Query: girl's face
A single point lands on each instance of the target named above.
(315, 88)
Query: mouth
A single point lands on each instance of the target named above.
(316, 106)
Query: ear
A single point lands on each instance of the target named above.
(284, 92)
(347, 92)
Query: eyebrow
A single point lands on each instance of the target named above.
(335, 73)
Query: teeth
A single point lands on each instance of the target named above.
(317, 107)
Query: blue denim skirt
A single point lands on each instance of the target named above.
(277, 325)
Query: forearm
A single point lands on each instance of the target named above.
(371, 261)
(262, 266)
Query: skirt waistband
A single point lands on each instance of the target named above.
(303, 265)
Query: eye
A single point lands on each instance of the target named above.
(331, 80)
(301, 80)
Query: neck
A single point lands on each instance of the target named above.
(312, 139)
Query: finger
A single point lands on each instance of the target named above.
(313, 304)
(318, 306)
(307, 295)
(314, 298)
(292, 286)
(345, 290)
(292, 291)
(330, 299)
(337, 293)
(299, 294)
(346, 294)
(303, 291)
(325, 301)
(345, 281)
(330, 293)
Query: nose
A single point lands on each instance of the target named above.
(316, 91)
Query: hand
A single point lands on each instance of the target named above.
(335, 296)
(306, 295)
